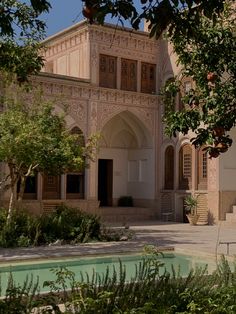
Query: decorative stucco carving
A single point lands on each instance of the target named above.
(94, 55)
(107, 111)
(77, 109)
(104, 103)
(115, 38)
(93, 116)
(125, 53)
(66, 42)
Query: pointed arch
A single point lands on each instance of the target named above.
(126, 130)
(78, 132)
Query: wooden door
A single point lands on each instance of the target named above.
(105, 181)
(128, 75)
(51, 187)
(148, 78)
(107, 71)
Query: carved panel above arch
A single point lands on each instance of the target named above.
(107, 111)
(78, 110)
(147, 116)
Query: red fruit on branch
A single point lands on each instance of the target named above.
(218, 131)
(214, 153)
(222, 147)
(88, 12)
(211, 76)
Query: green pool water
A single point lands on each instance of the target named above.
(42, 270)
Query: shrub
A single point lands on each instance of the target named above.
(125, 201)
(20, 231)
(148, 292)
(67, 224)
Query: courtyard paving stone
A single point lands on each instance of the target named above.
(197, 240)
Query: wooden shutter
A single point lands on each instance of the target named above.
(128, 75)
(107, 71)
(185, 167)
(169, 168)
(51, 187)
(202, 169)
(148, 78)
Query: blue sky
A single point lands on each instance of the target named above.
(64, 14)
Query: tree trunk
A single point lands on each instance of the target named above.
(22, 188)
(13, 180)
(10, 207)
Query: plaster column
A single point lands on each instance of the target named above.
(94, 64)
(39, 187)
(118, 73)
(213, 190)
(139, 77)
(91, 173)
(194, 169)
(63, 186)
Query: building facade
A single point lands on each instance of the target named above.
(110, 80)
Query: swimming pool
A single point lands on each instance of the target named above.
(99, 264)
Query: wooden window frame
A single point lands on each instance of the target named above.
(107, 71)
(128, 82)
(75, 195)
(202, 169)
(185, 169)
(148, 85)
(169, 168)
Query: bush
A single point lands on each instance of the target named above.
(148, 292)
(125, 201)
(20, 231)
(67, 224)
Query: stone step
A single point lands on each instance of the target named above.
(234, 209)
(125, 214)
(230, 217)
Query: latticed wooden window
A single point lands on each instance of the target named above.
(169, 168)
(185, 167)
(128, 75)
(202, 169)
(148, 78)
(77, 131)
(107, 71)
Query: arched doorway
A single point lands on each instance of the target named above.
(125, 161)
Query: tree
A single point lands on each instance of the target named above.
(202, 33)
(21, 31)
(209, 109)
(35, 139)
(159, 14)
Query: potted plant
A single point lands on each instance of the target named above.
(190, 206)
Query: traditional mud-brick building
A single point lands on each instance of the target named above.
(110, 79)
